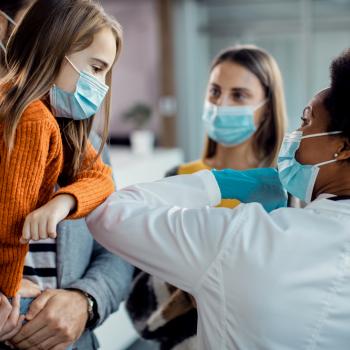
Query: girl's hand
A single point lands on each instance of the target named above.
(42, 222)
(10, 320)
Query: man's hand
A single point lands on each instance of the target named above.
(10, 320)
(56, 319)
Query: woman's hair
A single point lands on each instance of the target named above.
(337, 97)
(12, 7)
(51, 30)
(268, 137)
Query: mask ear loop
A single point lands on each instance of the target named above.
(326, 162)
(262, 122)
(322, 134)
(2, 46)
(213, 109)
(73, 66)
(8, 18)
(262, 103)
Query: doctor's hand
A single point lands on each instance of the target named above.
(261, 185)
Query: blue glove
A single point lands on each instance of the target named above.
(260, 185)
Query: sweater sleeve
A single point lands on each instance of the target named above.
(53, 166)
(28, 175)
(93, 184)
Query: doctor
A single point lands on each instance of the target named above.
(278, 280)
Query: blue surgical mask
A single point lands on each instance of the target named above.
(229, 125)
(84, 102)
(298, 179)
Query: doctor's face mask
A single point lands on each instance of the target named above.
(299, 179)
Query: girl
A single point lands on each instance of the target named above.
(244, 116)
(58, 60)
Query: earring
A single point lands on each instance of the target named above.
(336, 155)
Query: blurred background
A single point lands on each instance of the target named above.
(169, 44)
(160, 80)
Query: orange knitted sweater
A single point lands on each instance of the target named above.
(27, 180)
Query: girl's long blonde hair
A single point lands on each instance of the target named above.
(50, 30)
(267, 139)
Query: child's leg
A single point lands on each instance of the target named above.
(25, 304)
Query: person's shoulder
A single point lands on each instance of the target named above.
(192, 167)
(37, 111)
(187, 168)
(172, 172)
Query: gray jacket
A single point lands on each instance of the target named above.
(85, 265)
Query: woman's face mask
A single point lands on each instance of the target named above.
(84, 102)
(229, 125)
(299, 179)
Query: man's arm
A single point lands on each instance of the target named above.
(108, 277)
(107, 280)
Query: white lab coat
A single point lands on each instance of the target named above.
(261, 281)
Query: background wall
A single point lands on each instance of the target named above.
(136, 75)
(303, 36)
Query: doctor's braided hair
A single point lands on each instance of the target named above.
(337, 99)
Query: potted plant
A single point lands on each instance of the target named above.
(141, 138)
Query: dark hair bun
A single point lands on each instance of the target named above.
(338, 99)
(340, 74)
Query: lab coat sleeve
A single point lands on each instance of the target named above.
(166, 228)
